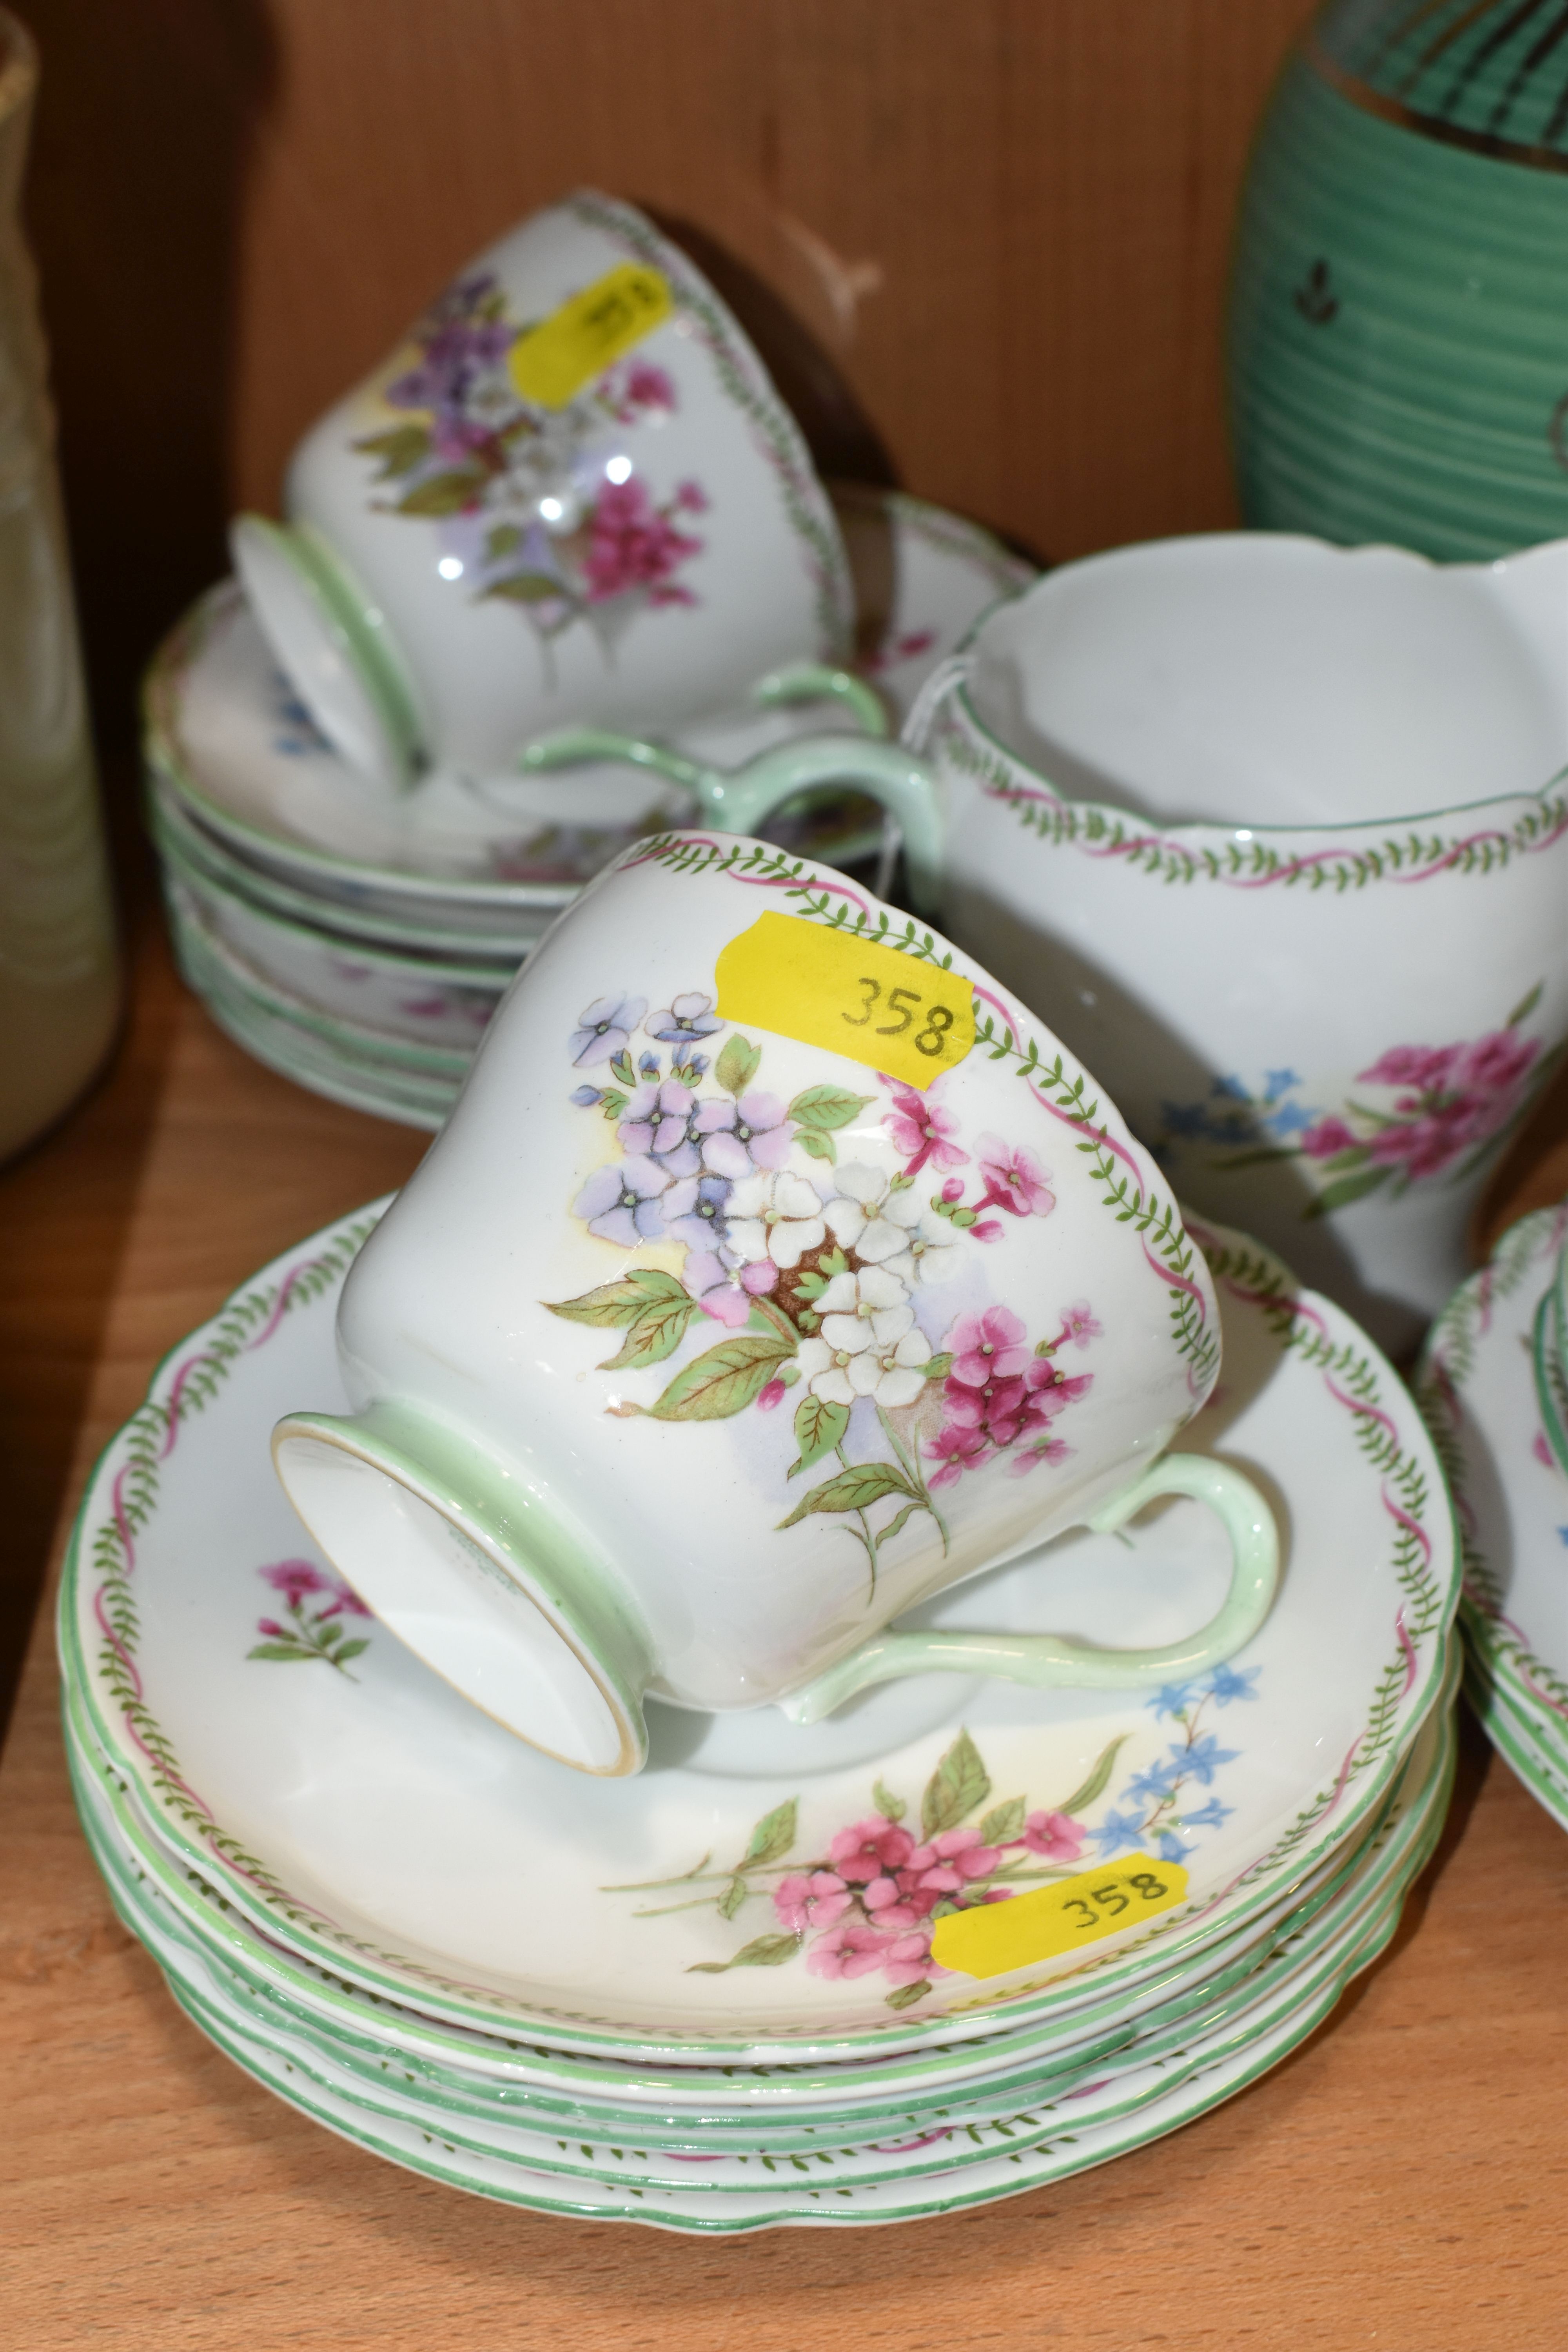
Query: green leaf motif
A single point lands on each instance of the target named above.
(1524, 1008)
(906, 1996)
(502, 540)
(891, 1807)
(855, 1489)
(622, 1301)
(815, 1145)
(738, 1064)
(900, 1522)
(959, 1783)
(1347, 1189)
(282, 1650)
(734, 1895)
(444, 494)
(655, 1334)
(400, 451)
(819, 1426)
(772, 1837)
(762, 1952)
(937, 1367)
(1099, 1776)
(822, 1107)
(1004, 1824)
(350, 1649)
(529, 588)
(724, 1380)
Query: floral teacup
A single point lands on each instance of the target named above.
(1181, 796)
(572, 494)
(728, 1318)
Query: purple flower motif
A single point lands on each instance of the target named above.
(694, 1211)
(587, 1097)
(622, 1203)
(690, 1017)
(655, 1118)
(606, 1028)
(740, 1137)
(716, 1289)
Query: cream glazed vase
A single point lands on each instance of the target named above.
(573, 493)
(774, 1271)
(1276, 832)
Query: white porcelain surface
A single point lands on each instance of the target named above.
(365, 1816)
(1189, 809)
(1476, 1386)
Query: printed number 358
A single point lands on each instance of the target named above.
(904, 1002)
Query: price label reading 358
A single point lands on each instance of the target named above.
(995, 1937)
(889, 1011)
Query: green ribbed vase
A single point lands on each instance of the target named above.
(1399, 306)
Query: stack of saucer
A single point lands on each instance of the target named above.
(661, 1997)
(1490, 1384)
(358, 942)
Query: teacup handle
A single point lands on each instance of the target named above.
(1046, 1662)
(738, 799)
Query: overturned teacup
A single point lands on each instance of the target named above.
(573, 493)
(775, 1270)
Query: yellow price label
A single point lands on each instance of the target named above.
(551, 363)
(995, 1937)
(886, 1010)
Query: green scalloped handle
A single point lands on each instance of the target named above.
(739, 799)
(1046, 1662)
(1550, 1338)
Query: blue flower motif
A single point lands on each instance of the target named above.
(1226, 1684)
(689, 1070)
(1207, 1817)
(1230, 1090)
(1279, 1082)
(587, 1097)
(694, 1211)
(1563, 1533)
(1119, 1834)
(647, 1064)
(1204, 1758)
(1152, 1786)
(1289, 1119)
(1170, 1698)
(1169, 1847)
(606, 1028)
(685, 1018)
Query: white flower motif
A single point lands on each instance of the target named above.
(888, 1227)
(869, 1345)
(776, 1216)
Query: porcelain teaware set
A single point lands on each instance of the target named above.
(785, 1637)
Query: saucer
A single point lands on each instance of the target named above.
(352, 1812)
(940, 2160)
(1476, 1385)
(225, 735)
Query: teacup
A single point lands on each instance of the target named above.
(775, 1270)
(572, 493)
(1181, 797)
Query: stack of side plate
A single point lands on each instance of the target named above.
(358, 943)
(664, 1998)
(1492, 1410)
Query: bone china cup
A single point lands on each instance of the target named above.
(775, 1270)
(1182, 797)
(572, 493)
